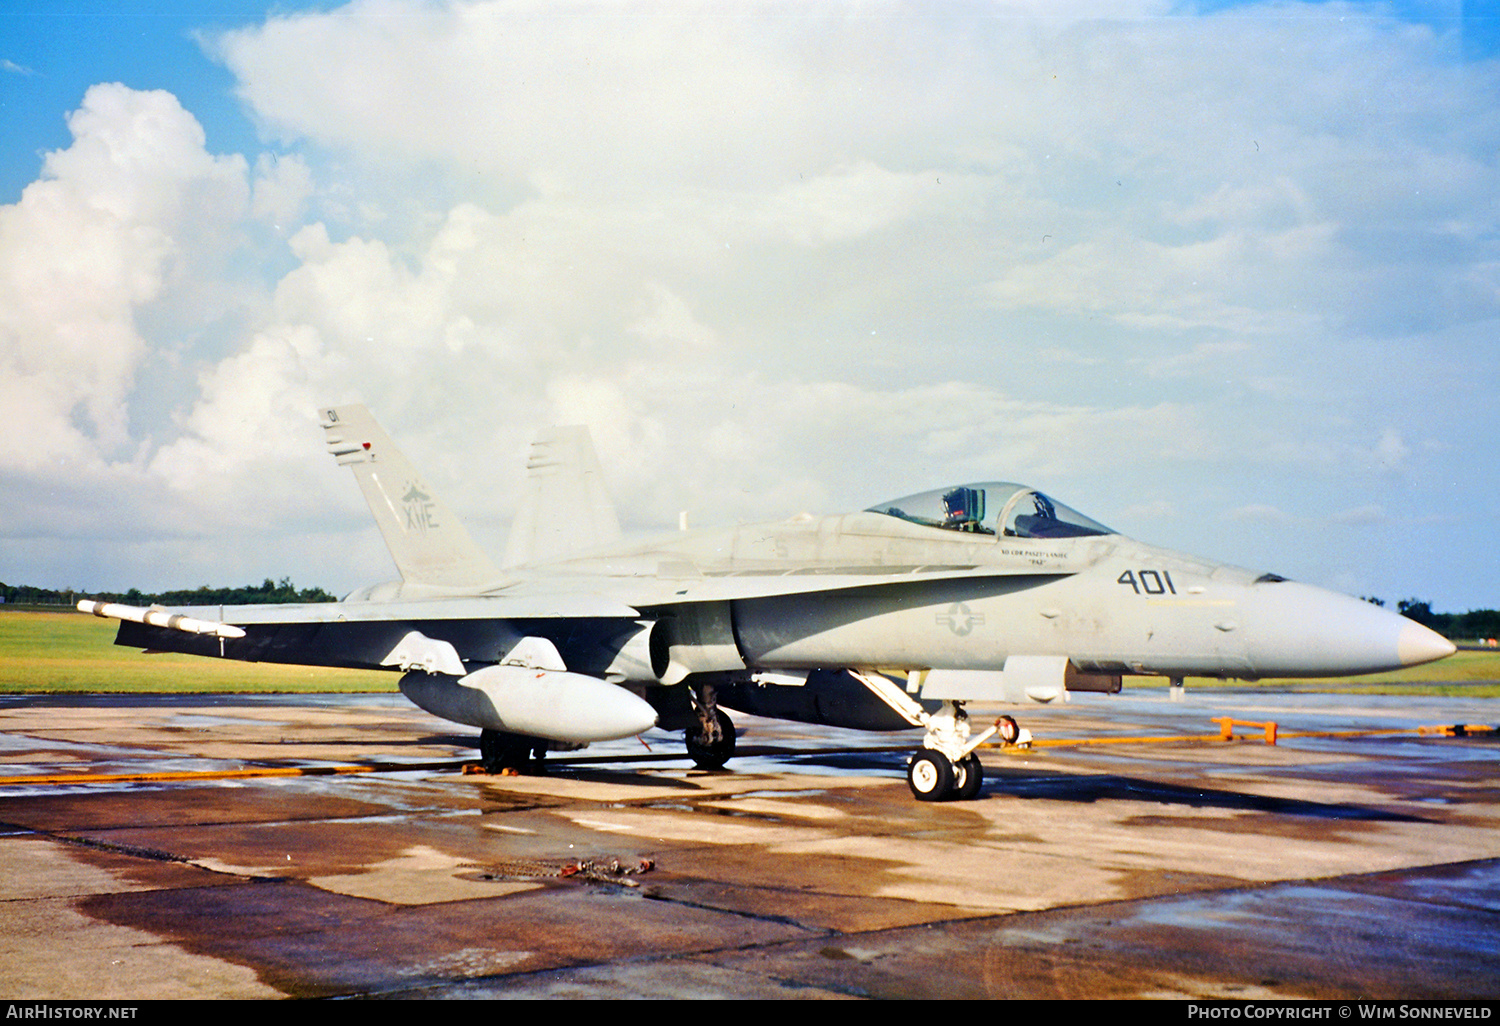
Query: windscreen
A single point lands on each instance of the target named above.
(993, 508)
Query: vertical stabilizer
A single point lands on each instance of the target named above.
(426, 540)
(566, 510)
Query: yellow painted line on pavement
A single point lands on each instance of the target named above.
(1449, 730)
(237, 774)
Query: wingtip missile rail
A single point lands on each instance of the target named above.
(160, 618)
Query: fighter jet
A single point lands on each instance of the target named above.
(893, 617)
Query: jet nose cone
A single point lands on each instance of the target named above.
(1418, 645)
(1296, 630)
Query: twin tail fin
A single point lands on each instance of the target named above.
(564, 512)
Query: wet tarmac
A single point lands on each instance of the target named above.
(1323, 867)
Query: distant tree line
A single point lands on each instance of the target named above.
(1476, 623)
(268, 591)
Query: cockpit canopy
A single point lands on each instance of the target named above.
(993, 507)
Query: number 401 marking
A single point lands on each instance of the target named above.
(1150, 582)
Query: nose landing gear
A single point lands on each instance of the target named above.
(946, 767)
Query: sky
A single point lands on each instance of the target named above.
(1223, 276)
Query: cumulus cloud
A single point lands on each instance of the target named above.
(1052, 161)
(282, 187)
(591, 95)
(116, 219)
(815, 254)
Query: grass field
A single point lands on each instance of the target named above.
(1473, 674)
(48, 653)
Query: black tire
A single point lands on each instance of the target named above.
(969, 777)
(1010, 730)
(930, 776)
(712, 756)
(501, 751)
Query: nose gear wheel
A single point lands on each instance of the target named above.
(930, 776)
(945, 767)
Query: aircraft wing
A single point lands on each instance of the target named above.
(681, 584)
(592, 598)
(450, 632)
(469, 607)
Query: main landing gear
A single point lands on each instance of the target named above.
(506, 754)
(710, 740)
(945, 767)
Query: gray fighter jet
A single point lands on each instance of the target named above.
(889, 618)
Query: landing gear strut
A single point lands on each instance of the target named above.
(945, 766)
(710, 741)
(504, 753)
